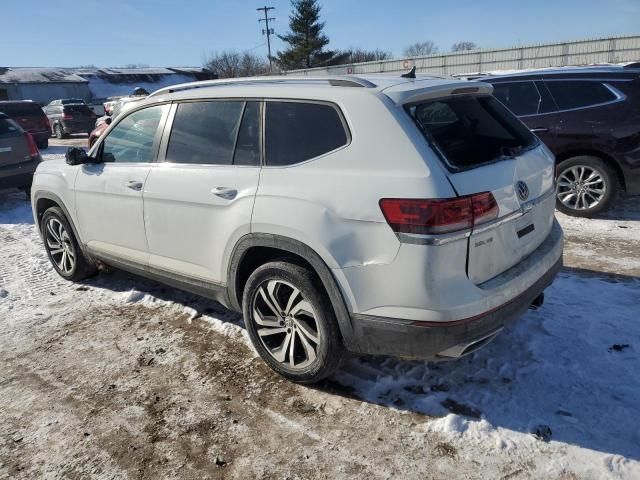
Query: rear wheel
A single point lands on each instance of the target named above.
(291, 322)
(62, 247)
(586, 186)
(59, 133)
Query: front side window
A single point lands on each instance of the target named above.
(132, 140)
(296, 131)
(215, 133)
(570, 94)
(522, 98)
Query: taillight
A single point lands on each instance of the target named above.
(66, 116)
(438, 215)
(45, 122)
(31, 144)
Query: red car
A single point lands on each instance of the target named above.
(30, 117)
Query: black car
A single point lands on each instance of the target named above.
(590, 119)
(68, 118)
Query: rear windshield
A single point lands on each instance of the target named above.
(8, 126)
(78, 109)
(470, 131)
(21, 109)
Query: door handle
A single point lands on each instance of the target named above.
(225, 192)
(134, 185)
(540, 130)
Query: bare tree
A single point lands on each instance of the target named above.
(419, 49)
(232, 64)
(357, 55)
(461, 46)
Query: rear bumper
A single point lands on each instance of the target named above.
(410, 338)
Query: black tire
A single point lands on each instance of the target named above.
(82, 266)
(58, 131)
(330, 350)
(610, 182)
(43, 144)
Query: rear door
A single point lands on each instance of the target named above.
(199, 200)
(532, 103)
(14, 149)
(486, 149)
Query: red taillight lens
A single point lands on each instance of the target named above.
(66, 116)
(31, 144)
(438, 215)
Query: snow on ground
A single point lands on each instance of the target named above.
(556, 395)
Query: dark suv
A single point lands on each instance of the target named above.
(71, 118)
(590, 119)
(30, 117)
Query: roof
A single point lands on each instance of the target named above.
(39, 75)
(396, 87)
(564, 71)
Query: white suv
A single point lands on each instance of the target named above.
(410, 217)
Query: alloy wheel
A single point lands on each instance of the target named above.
(581, 187)
(286, 324)
(60, 246)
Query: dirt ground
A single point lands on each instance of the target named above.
(123, 378)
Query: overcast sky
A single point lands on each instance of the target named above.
(182, 33)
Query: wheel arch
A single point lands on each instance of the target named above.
(608, 159)
(44, 200)
(256, 249)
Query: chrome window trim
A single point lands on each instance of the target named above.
(443, 239)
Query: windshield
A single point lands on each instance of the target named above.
(469, 131)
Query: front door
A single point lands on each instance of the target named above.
(198, 201)
(109, 193)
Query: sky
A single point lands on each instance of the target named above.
(111, 33)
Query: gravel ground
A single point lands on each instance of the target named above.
(121, 377)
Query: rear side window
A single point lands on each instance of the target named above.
(469, 131)
(205, 132)
(21, 109)
(579, 93)
(296, 131)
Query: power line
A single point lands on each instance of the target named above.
(267, 31)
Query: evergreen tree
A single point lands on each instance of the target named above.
(306, 40)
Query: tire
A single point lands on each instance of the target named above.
(317, 344)
(590, 195)
(58, 131)
(54, 227)
(44, 144)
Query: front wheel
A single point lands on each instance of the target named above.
(291, 322)
(62, 247)
(587, 186)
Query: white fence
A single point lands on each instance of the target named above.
(580, 52)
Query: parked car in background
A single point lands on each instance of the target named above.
(590, 119)
(30, 117)
(19, 156)
(69, 118)
(380, 215)
(64, 101)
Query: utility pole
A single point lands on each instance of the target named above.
(267, 31)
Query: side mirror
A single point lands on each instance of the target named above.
(76, 156)
(108, 120)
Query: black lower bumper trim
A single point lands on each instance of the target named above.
(424, 340)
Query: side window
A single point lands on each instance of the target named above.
(248, 144)
(522, 98)
(579, 93)
(295, 131)
(205, 132)
(133, 138)
(547, 104)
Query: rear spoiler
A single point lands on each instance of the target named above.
(407, 93)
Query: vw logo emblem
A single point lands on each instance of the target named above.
(522, 190)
